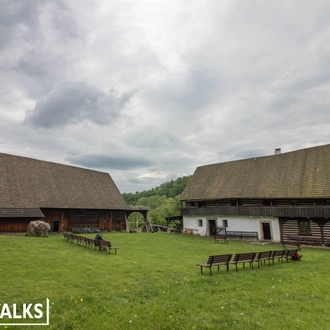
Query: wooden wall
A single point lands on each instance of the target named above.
(326, 231)
(289, 227)
(67, 219)
(15, 225)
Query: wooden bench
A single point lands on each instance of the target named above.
(243, 258)
(298, 241)
(216, 260)
(220, 237)
(289, 253)
(66, 236)
(277, 254)
(326, 242)
(105, 246)
(83, 240)
(312, 240)
(292, 241)
(263, 256)
(90, 242)
(73, 238)
(242, 234)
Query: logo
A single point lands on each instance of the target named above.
(24, 314)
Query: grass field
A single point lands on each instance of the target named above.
(153, 283)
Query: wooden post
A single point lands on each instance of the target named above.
(136, 221)
(127, 224)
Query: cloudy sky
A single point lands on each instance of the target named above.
(147, 90)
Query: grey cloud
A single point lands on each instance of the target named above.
(19, 11)
(72, 103)
(12, 14)
(28, 13)
(37, 65)
(98, 161)
(193, 92)
(149, 138)
(250, 153)
(144, 183)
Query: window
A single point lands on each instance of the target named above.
(200, 222)
(224, 223)
(303, 227)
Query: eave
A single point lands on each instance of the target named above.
(272, 211)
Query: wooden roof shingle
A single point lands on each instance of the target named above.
(303, 173)
(32, 183)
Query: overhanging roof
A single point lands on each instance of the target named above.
(32, 183)
(21, 213)
(303, 173)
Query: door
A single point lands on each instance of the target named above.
(212, 228)
(56, 225)
(266, 230)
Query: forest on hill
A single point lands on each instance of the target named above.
(162, 200)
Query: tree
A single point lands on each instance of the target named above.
(162, 200)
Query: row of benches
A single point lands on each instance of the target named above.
(101, 245)
(250, 257)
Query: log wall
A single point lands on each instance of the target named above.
(15, 225)
(67, 219)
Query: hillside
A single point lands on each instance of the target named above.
(162, 200)
(169, 189)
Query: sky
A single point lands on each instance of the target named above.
(149, 90)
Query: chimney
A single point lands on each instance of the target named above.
(277, 151)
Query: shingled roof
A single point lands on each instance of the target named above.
(303, 173)
(32, 183)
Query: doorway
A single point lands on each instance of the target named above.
(266, 232)
(212, 228)
(56, 226)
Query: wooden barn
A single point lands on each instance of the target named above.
(274, 197)
(64, 196)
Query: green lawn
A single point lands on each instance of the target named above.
(153, 283)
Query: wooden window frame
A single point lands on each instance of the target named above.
(304, 227)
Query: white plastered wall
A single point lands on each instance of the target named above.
(235, 223)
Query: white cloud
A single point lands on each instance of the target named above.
(148, 90)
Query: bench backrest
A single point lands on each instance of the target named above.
(73, 237)
(221, 258)
(90, 241)
(244, 256)
(104, 243)
(264, 254)
(290, 253)
(278, 253)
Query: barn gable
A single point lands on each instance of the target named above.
(32, 188)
